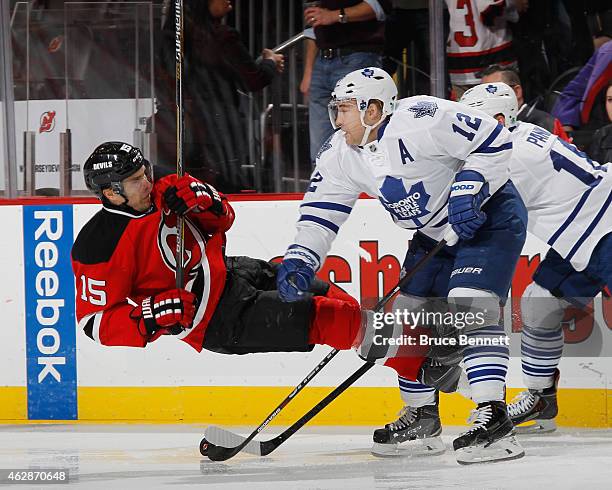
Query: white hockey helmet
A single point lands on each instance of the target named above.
(364, 85)
(493, 99)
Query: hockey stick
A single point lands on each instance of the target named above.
(219, 450)
(180, 134)
(242, 442)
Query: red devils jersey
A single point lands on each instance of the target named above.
(472, 45)
(120, 257)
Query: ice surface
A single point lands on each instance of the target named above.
(114, 457)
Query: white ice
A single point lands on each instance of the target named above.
(114, 457)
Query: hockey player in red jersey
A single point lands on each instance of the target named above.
(124, 264)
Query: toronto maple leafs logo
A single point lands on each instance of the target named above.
(403, 204)
(368, 72)
(491, 89)
(423, 108)
(363, 105)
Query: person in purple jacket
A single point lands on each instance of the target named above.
(577, 106)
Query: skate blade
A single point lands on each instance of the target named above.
(505, 449)
(430, 446)
(537, 426)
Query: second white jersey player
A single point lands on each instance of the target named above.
(568, 199)
(565, 192)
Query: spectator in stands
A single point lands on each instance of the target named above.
(218, 70)
(527, 113)
(479, 35)
(346, 35)
(601, 146)
(580, 105)
(408, 28)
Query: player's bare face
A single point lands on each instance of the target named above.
(137, 188)
(349, 121)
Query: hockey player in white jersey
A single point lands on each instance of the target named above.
(568, 199)
(431, 163)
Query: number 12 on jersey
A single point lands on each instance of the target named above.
(472, 124)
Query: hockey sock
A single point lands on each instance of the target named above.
(540, 355)
(407, 367)
(486, 365)
(415, 394)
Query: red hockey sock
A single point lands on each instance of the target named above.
(336, 321)
(408, 358)
(406, 367)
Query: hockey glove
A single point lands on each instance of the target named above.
(190, 194)
(296, 273)
(467, 195)
(173, 310)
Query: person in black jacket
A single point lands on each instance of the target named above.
(218, 71)
(600, 149)
(527, 112)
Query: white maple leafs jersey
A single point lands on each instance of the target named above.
(567, 195)
(410, 169)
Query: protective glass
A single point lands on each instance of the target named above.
(333, 108)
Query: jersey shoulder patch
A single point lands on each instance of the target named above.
(423, 108)
(98, 239)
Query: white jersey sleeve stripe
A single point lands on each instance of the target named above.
(332, 206)
(591, 227)
(320, 221)
(570, 218)
(486, 147)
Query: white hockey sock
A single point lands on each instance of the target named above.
(540, 355)
(415, 394)
(486, 365)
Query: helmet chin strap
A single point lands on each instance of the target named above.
(368, 129)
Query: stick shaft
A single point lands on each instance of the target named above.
(180, 134)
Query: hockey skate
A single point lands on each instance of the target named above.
(536, 409)
(491, 438)
(415, 433)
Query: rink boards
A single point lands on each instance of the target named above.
(52, 371)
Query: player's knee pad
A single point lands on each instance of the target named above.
(540, 309)
(474, 308)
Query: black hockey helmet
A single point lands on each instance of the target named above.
(110, 163)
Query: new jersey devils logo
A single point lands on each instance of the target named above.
(47, 122)
(195, 244)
